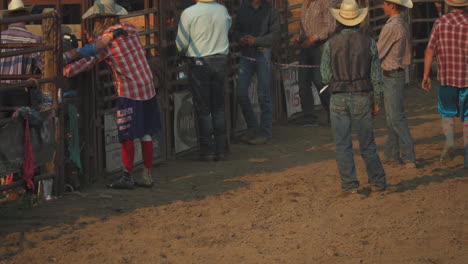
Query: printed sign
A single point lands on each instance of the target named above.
(291, 90)
(185, 130)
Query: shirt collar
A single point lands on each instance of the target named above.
(394, 18)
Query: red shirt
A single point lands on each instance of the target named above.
(449, 39)
(126, 57)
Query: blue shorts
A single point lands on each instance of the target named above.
(453, 101)
(137, 118)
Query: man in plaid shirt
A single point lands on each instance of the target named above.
(137, 108)
(449, 39)
(20, 64)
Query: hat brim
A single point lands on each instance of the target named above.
(350, 22)
(94, 11)
(450, 3)
(408, 4)
(5, 13)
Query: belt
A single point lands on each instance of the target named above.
(387, 73)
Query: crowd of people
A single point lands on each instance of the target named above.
(358, 71)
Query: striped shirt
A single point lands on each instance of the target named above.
(449, 38)
(20, 64)
(131, 73)
(317, 20)
(394, 44)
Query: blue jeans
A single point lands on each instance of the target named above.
(262, 68)
(399, 140)
(207, 78)
(346, 110)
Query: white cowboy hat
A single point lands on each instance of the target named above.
(405, 3)
(456, 2)
(15, 5)
(105, 7)
(349, 13)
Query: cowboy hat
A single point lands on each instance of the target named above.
(349, 13)
(456, 2)
(15, 5)
(105, 7)
(405, 3)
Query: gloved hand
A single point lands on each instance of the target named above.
(87, 50)
(118, 32)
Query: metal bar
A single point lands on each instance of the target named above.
(296, 6)
(28, 18)
(20, 77)
(140, 13)
(416, 20)
(151, 46)
(25, 51)
(148, 32)
(8, 87)
(20, 45)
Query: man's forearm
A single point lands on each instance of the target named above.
(428, 56)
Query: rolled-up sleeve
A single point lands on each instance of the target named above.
(325, 65)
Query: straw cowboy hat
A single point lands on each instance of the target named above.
(456, 2)
(405, 3)
(349, 13)
(15, 5)
(105, 7)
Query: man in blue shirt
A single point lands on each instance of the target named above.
(257, 28)
(203, 37)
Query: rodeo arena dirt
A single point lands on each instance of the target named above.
(256, 193)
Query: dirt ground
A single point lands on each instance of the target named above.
(268, 204)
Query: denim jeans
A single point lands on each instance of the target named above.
(348, 110)
(307, 76)
(262, 68)
(207, 78)
(399, 141)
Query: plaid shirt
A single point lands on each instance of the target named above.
(126, 57)
(394, 44)
(316, 19)
(21, 64)
(449, 39)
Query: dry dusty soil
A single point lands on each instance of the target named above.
(268, 204)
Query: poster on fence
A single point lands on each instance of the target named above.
(291, 90)
(185, 130)
(113, 149)
(240, 121)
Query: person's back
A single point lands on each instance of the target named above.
(209, 22)
(451, 47)
(350, 61)
(20, 64)
(128, 62)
